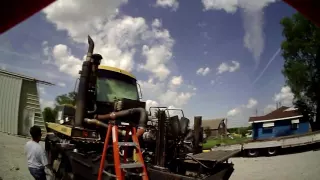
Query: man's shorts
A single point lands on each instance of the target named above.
(38, 174)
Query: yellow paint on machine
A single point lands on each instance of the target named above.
(114, 69)
(207, 150)
(60, 128)
(135, 155)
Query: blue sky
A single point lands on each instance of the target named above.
(212, 58)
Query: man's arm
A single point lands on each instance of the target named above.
(44, 160)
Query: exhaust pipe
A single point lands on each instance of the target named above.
(111, 116)
(142, 121)
(83, 85)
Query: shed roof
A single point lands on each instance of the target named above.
(281, 113)
(4, 72)
(212, 123)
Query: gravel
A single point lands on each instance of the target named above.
(13, 165)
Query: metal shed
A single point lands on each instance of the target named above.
(215, 127)
(19, 103)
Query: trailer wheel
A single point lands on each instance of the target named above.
(272, 151)
(252, 152)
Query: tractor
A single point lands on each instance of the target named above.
(77, 142)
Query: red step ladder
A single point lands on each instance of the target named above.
(120, 167)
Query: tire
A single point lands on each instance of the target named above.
(253, 152)
(272, 151)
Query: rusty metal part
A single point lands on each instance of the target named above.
(95, 122)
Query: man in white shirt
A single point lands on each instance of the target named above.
(37, 159)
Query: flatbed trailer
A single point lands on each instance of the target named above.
(272, 147)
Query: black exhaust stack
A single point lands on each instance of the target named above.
(197, 148)
(160, 155)
(83, 87)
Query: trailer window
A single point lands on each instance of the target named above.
(267, 130)
(294, 126)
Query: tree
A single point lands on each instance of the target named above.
(207, 131)
(68, 98)
(49, 114)
(301, 53)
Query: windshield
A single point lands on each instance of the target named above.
(109, 89)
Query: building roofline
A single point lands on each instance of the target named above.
(28, 78)
(278, 119)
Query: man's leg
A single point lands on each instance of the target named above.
(38, 174)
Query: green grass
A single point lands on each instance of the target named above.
(211, 142)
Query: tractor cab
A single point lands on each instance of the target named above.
(114, 87)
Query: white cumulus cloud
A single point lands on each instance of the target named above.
(154, 56)
(164, 94)
(224, 67)
(151, 103)
(80, 17)
(173, 4)
(117, 37)
(203, 71)
(244, 108)
(285, 96)
(176, 80)
(252, 103)
(234, 112)
(65, 61)
(269, 108)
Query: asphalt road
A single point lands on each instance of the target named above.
(300, 166)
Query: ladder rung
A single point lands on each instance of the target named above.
(124, 124)
(131, 165)
(109, 174)
(134, 174)
(127, 144)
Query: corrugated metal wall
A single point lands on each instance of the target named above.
(10, 88)
(30, 112)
